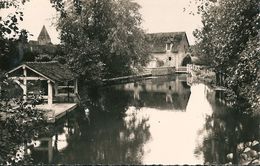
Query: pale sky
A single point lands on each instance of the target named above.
(158, 15)
(169, 16)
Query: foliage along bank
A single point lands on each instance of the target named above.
(229, 40)
(19, 125)
(103, 39)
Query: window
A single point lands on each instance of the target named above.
(170, 58)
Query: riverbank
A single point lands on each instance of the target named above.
(205, 76)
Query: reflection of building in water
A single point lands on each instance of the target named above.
(163, 93)
(137, 90)
(169, 95)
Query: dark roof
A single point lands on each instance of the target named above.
(53, 70)
(44, 35)
(158, 41)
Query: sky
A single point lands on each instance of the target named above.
(169, 16)
(158, 16)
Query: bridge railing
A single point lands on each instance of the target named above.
(179, 69)
(182, 69)
(192, 67)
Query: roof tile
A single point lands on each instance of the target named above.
(53, 70)
(158, 40)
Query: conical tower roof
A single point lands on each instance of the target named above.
(44, 37)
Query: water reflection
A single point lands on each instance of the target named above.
(224, 130)
(159, 121)
(56, 141)
(106, 140)
(108, 100)
(43, 148)
(164, 93)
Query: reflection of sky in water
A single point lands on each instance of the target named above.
(62, 140)
(174, 135)
(154, 130)
(168, 121)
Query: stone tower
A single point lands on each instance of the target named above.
(44, 37)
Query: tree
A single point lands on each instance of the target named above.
(229, 38)
(18, 123)
(104, 38)
(12, 37)
(9, 25)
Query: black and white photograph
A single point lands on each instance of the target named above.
(129, 82)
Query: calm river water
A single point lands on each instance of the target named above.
(157, 121)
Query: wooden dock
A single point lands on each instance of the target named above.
(126, 79)
(160, 71)
(57, 110)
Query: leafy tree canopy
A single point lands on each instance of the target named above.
(12, 37)
(103, 38)
(9, 25)
(19, 124)
(230, 39)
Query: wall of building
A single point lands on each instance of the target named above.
(169, 58)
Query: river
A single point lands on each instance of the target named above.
(163, 120)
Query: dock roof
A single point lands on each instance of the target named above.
(52, 70)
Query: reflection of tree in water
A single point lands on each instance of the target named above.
(107, 139)
(106, 100)
(225, 129)
(58, 137)
(108, 135)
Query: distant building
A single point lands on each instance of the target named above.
(43, 44)
(44, 37)
(169, 49)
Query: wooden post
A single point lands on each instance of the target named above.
(76, 86)
(217, 78)
(25, 84)
(188, 68)
(222, 79)
(0, 91)
(49, 93)
(55, 89)
(50, 150)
